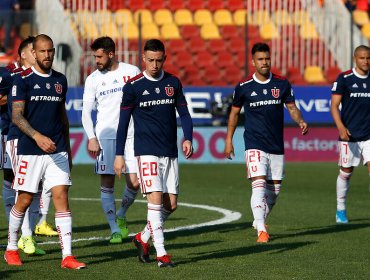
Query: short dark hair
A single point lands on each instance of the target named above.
(41, 37)
(106, 43)
(25, 43)
(154, 45)
(260, 47)
(361, 48)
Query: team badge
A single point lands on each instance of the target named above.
(14, 91)
(1, 78)
(103, 84)
(58, 88)
(157, 90)
(264, 91)
(169, 90)
(275, 92)
(364, 85)
(48, 86)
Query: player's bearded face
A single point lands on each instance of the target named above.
(44, 54)
(154, 63)
(103, 60)
(362, 60)
(262, 62)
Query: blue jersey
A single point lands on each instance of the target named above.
(6, 82)
(355, 112)
(153, 104)
(263, 104)
(44, 96)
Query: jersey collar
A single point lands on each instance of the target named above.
(358, 75)
(262, 82)
(153, 79)
(41, 74)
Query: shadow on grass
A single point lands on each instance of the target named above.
(9, 273)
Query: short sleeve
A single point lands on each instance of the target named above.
(238, 97)
(19, 89)
(339, 85)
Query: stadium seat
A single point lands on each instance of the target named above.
(196, 44)
(204, 59)
(240, 17)
(232, 75)
(229, 31)
(365, 30)
(146, 16)
(236, 45)
(176, 45)
(308, 31)
(134, 5)
(132, 31)
(216, 45)
(209, 31)
(269, 31)
(362, 5)
(331, 74)
(110, 29)
(89, 31)
(123, 15)
(103, 16)
(170, 31)
(163, 16)
(299, 17)
(214, 5)
(195, 5)
(281, 17)
(115, 5)
(184, 58)
(149, 31)
(183, 17)
(260, 17)
(224, 59)
(175, 5)
(222, 17)
(212, 77)
(189, 31)
(313, 75)
(360, 17)
(234, 5)
(154, 5)
(202, 17)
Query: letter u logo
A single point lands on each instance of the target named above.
(148, 183)
(254, 168)
(20, 181)
(345, 160)
(102, 167)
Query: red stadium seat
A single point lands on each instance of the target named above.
(134, 5)
(212, 76)
(204, 59)
(234, 5)
(196, 45)
(229, 31)
(232, 75)
(236, 45)
(174, 5)
(216, 45)
(224, 59)
(189, 31)
(194, 5)
(175, 46)
(214, 5)
(331, 74)
(154, 5)
(183, 58)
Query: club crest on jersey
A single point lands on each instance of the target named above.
(48, 86)
(275, 92)
(169, 91)
(58, 88)
(264, 91)
(157, 90)
(364, 85)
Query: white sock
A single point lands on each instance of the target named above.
(342, 189)
(156, 228)
(145, 233)
(272, 193)
(128, 198)
(44, 206)
(15, 222)
(63, 223)
(258, 204)
(8, 198)
(109, 207)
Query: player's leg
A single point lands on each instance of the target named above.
(57, 181)
(8, 192)
(349, 157)
(365, 148)
(104, 167)
(43, 228)
(257, 164)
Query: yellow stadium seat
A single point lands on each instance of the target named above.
(299, 17)
(269, 31)
(146, 16)
(365, 30)
(223, 17)
(110, 29)
(281, 17)
(90, 31)
(240, 17)
(183, 17)
(170, 31)
(149, 31)
(83, 17)
(313, 74)
(123, 15)
(360, 17)
(209, 31)
(162, 16)
(308, 31)
(260, 17)
(202, 16)
(130, 31)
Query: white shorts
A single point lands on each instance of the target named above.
(52, 169)
(260, 163)
(105, 160)
(158, 174)
(4, 157)
(351, 153)
(11, 150)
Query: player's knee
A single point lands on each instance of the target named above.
(134, 185)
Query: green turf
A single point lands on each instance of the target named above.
(305, 242)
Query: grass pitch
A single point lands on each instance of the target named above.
(305, 241)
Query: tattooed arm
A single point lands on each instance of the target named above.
(45, 143)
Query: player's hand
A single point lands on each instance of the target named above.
(119, 166)
(229, 150)
(344, 134)
(45, 143)
(304, 127)
(93, 147)
(187, 148)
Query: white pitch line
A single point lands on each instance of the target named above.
(229, 216)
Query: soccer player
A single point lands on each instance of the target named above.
(152, 98)
(263, 95)
(38, 99)
(26, 241)
(103, 90)
(351, 91)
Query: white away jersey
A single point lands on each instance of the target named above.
(105, 89)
